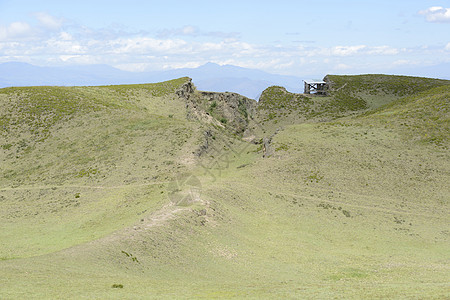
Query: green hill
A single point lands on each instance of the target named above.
(162, 191)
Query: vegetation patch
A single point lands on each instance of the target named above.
(159, 89)
(131, 256)
(282, 147)
(314, 176)
(344, 100)
(377, 84)
(277, 97)
(6, 146)
(87, 172)
(212, 106)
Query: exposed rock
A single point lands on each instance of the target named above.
(204, 148)
(230, 109)
(226, 110)
(267, 148)
(186, 90)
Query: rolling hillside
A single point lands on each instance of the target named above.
(160, 191)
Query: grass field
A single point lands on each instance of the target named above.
(104, 195)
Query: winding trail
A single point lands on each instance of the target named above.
(360, 206)
(99, 187)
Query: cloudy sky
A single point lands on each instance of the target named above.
(283, 37)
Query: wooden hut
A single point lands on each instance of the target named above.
(318, 87)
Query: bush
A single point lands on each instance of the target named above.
(6, 146)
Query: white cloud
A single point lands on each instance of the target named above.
(66, 58)
(341, 67)
(436, 14)
(48, 21)
(15, 30)
(144, 45)
(346, 50)
(355, 50)
(47, 25)
(383, 50)
(65, 36)
(405, 62)
(192, 31)
(187, 30)
(55, 41)
(58, 46)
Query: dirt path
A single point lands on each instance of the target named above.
(361, 206)
(47, 187)
(158, 217)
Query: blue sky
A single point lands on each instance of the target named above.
(284, 37)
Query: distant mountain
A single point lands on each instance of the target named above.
(244, 86)
(23, 74)
(247, 82)
(211, 77)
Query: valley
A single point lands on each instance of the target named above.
(161, 191)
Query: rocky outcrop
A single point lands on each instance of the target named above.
(227, 110)
(186, 89)
(194, 111)
(266, 144)
(232, 110)
(207, 134)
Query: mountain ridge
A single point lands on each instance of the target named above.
(210, 76)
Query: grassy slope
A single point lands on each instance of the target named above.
(375, 90)
(356, 207)
(97, 155)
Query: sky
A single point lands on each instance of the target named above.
(282, 37)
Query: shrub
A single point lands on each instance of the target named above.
(314, 177)
(282, 147)
(6, 146)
